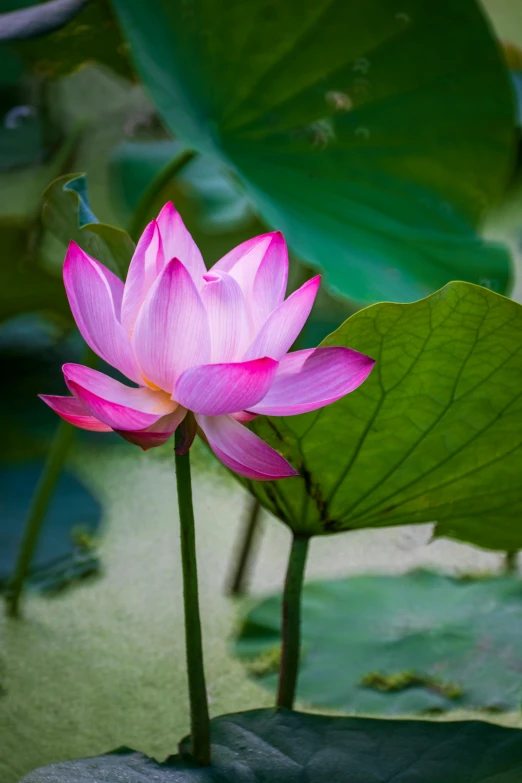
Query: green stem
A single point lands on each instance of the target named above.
(291, 622)
(199, 718)
(511, 562)
(161, 180)
(54, 463)
(239, 576)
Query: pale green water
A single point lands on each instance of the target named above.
(102, 665)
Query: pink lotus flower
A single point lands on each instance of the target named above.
(214, 343)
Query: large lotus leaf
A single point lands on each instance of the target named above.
(375, 135)
(288, 747)
(390, 645)
(434, 433)
(67, 213)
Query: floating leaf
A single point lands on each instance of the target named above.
(364, 131)
(392, 645)
(68, 215)
(32, 352)
(287, 747)
(434, 433)
(72, 518)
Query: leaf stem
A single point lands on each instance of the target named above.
(238, 579)
(53, 465)
(199, 717)
(291, 622)
(163, 177)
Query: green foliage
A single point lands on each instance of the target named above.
(34, 19)
(23, 138)
(66, 35)
(25, 286)
(374, 137)
(135, 165)
(65, 552)
(67, 214)
(392, 645)
(27, 283)
(287, 747)
(434, 433)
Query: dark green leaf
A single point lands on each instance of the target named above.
(434, 433)
(135, 165)
(392, 645)
(39, 19)
(25, 286)
(374, 136)
(289, 747)
(516, 76)
(32, 353)
(22, 138)
(68, 215)
(214, 213)
(91, 35)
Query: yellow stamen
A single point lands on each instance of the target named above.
(150, 384)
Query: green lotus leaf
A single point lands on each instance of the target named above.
(433, 435)
(287, 747)
(374, 135)
(392, 645)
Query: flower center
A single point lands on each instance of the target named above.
(150, 384)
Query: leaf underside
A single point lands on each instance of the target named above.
(287, 747)
(434, 433)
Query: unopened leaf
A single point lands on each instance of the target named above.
(68, 215)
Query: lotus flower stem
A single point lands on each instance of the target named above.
(291, 622)
(200, 725)
(239, 576)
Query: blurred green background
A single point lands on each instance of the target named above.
(98, 660)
